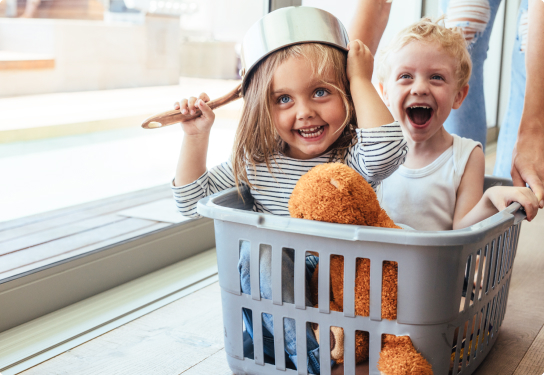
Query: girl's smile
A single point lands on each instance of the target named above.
(308, 111)
(312, 133)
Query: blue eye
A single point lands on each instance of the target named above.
(284, 99)
(320, 93)
(405, 76)
(437, 77)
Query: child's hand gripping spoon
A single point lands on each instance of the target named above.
(172, 117)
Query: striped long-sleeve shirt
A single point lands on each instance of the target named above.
(376, 153)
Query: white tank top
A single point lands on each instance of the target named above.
(425, 198)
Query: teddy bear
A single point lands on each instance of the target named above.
(336, 193)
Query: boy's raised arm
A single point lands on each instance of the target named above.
(369, 107)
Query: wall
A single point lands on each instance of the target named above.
(402, 14)
(91, 55)
(210, 36)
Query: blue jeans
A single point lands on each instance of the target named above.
(265, 282)
(509, 129)
(470, 119)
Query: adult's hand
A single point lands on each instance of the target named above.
(528, 156)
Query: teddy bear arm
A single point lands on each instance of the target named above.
(384, 221)
(399, 357)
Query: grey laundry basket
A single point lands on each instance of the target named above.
(433, 269)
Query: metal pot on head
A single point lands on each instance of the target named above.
(276, 30)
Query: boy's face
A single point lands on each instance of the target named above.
(422, 89)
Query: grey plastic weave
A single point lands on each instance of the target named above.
(432, 267)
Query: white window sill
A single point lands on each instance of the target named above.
(33, 342)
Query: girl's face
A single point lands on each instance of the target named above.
(307, 114)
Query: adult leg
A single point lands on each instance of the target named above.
(509, 129)
(476, 18)
(30, 8)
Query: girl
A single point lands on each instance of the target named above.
(298, 113)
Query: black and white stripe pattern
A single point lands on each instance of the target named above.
(375, 154)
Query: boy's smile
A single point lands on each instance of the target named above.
(308, 114)
(422, 89)
(419, 114)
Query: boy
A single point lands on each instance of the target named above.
(423, 74)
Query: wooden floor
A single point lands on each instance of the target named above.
(39, 240)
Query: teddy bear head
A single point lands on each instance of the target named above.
(336, 193)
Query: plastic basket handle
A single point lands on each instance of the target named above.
(519, 213)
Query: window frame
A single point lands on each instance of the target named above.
(35, 293)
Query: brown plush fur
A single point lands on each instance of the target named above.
(398, 356)
(336, 193)
(339, 187)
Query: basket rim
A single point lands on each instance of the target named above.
(211, 207)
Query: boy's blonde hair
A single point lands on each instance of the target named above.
(257, 140)
(429, 31)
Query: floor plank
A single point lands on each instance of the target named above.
(38, 240)
(215, 364)
(57, 233)
(67, 244)
(174, 339)
(524, 316)
(533, 362)
(83, 213)
(56, 258)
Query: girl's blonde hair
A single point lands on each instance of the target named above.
(429, 31)
(257, 140)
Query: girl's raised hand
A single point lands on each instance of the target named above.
(360, 61)
(203, 123)
(503, 196)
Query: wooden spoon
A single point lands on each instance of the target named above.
(172, 117)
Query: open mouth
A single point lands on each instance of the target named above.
(419, 115)
(314, 131)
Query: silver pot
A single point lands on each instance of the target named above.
(285, 27)
(276, 30)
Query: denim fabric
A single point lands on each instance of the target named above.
(469, 120)
(265, 276)
(512, 118)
